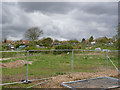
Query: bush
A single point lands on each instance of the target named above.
(62, 47)
(13, 54)
(35, 48)
(8, 54)
(31, 48)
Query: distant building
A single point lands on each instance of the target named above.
(24, 42)
(8, 41)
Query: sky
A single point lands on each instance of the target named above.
(60, 20)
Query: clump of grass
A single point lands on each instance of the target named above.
(60, 73)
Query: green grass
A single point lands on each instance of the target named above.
(47, 65)
(13, 54)
(50, 64)
(22, 85)
(14, 59)
(102, 46)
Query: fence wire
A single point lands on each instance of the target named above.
(49, 63)
(37, 64)
(89, 61)
(113, 59)
(13, 66)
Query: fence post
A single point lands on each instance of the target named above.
(107, 59)
(72, 61)
(27, 65)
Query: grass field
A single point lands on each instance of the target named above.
(47, 65)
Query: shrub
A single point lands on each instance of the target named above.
(62, 47)
(31, 48)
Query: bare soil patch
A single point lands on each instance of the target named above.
(14, 64)
(13, 78)
(12, 58)
(56, 81)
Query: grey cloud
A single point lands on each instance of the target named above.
(14, 21)
(98, 8)
(60, 20)
(45, 7)
(109, 8)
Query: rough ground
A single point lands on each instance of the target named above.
(12, 58)
(14, 64)
(56, 81)
(89, 54)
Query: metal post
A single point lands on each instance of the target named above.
(27, 65)
(107, 59)
(72, 61)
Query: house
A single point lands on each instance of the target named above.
(24, 42)
(8, 41)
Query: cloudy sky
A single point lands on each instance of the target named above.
(60, 20)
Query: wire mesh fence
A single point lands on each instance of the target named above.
(49, 63)
(37, 64)
(89, 61)
(113, 59)
(13, 66)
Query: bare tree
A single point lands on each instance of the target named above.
(33, 33)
